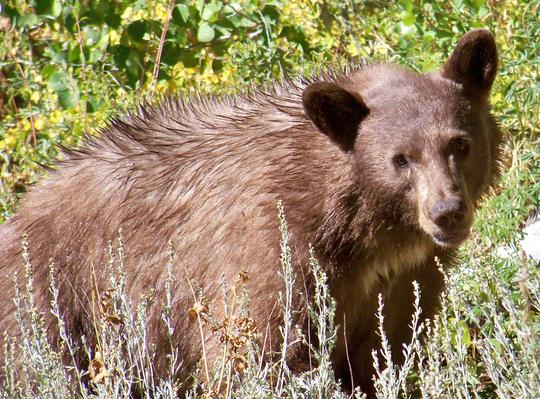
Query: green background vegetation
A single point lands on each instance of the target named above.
(66, 67)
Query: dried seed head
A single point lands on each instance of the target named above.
(96, 369)
(198, 309)
(244, 276)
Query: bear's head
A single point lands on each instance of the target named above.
(425, 143)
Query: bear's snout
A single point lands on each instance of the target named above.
(448, 215)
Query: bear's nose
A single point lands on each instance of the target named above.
(448, 214)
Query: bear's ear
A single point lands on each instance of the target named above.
(473, 62)
(335, 112)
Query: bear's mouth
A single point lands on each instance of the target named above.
(451, 238)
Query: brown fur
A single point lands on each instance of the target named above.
(371, 168)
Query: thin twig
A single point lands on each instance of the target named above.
(155, 73)
(347, 349)
(95, 292)
(83, 70)
(199, 322)
(225, 348)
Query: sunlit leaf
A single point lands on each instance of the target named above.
(205, 33)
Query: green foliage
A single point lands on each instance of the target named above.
(67, 66)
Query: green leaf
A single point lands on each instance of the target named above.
(406, 4)
(271, 12)
(65, 88)
(47, 71)
(189, 59)
(51, 8)
(205, 33)
(92, 35)
(239, 21)
(171, 53)
(94, 55)
(444, 34)
(56, 53)
(458, 4)
(68, 98)
(93, 16)
(137, 30)
(224, 29)
(479, 3)
(94, 104)
(483, 11)
(408, 18)
(211, 11)
(56, 9)
(120, 54)
(71, 23)
(180, 37)
(465, 334)
(58, 80)
(220, 48)
(74, 55)
(217, 65)
(180, 14)
(199, 4)
(113, 20)
(28, 20)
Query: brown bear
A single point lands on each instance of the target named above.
(379, 169)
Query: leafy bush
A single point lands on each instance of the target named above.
(66, 67)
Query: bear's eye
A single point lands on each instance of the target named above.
(401, 161)
(460, 146)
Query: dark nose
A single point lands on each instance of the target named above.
(448, 214)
